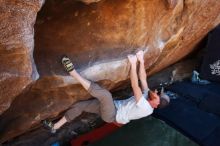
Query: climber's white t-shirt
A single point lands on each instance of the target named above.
(129, 109)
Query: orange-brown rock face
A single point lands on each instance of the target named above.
(97, 37)
(17, 68)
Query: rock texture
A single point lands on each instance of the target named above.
(97, 37)
(17, 67)
(89, 1)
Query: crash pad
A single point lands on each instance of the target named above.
(194, 112)
(147, 131)
(94, 135)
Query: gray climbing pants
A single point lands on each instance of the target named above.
(102, 105)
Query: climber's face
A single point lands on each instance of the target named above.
(154, 99)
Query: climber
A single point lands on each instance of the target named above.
(118, 111)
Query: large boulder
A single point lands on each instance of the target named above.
(17, 67)
(97, 37)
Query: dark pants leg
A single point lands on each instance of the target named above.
(91, 106)
(102, 105)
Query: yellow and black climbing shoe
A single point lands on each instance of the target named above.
(68, 65)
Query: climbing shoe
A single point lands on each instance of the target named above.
(50, 126)
(68, 65)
